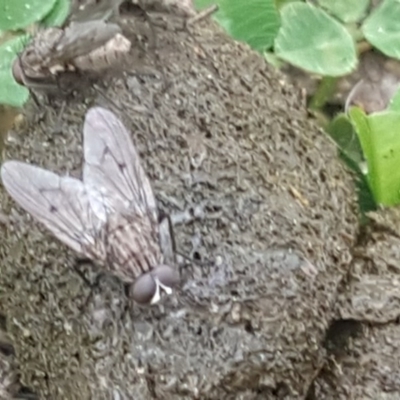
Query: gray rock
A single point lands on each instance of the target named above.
(275, 236)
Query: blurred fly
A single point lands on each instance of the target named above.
(82, 47)
(110, 215)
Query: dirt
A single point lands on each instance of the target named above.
(363, 364)
(219, 130)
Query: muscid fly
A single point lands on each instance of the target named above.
(81, 47)
(110, 215)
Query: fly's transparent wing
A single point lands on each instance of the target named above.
(81, 38)
(62, 204)
(112, 164)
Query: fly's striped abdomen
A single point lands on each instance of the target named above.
(89, 46)
(132, 249)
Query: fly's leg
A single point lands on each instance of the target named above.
(167, 238)
(57, 126)
(127, 293)
(77, 267)
(95, 285)
(168, 243)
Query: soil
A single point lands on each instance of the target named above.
(365, 364)
(218, 131)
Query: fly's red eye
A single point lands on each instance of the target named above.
(144, 289)
(17, 71)
(167, 276)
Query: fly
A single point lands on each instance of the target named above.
(90, 46)
(110, 215)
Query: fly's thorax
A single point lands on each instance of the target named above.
(39, 52)
(32, 61)
(150, 286)
(90, 46)
(131, 245)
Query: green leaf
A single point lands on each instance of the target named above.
(379, 136)
(10, 92)
(281, 3)
(382, 28)
(312, 40)
(272, 59)
(58, 14)
(345, 10)
(18, 14)
(394, 104)
(366, 201)
(201, 4)
(342, 132)
(255, 22)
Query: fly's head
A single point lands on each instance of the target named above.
(150, 286)
(30, 78)
(27, 66)
(30, 69)
(39, 52)
(40, 80)
(54, 79)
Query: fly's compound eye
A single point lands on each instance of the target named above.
(17, 71)
(147, 288)
(168, 277)
(144, 289)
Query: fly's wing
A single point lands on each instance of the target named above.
(62, 204)
(113, 166)
(81, 38)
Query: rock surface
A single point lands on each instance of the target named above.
(221, 133)
(364, 348)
